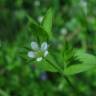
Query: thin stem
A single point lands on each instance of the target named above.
(65, 77)
(55, 66)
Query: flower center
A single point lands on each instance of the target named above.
(40, 53)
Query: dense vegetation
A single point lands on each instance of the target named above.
(47, 47)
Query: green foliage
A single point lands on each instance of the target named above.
(68, 54)
(68, 27)
(47, 22)
(88, 63)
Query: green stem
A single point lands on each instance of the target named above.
(65, 77)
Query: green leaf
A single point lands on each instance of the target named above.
(88, 62)
(47, 22)
(37, 30)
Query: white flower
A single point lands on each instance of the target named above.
(37, 3)
(40, 19)
(38, 52)
(63, 31)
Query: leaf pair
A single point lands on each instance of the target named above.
(43, 30)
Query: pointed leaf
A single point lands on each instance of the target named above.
(47, 22)
(88, 62)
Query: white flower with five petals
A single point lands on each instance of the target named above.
(38, 52)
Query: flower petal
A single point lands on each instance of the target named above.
(34, 45)
(44, 46)
(39, 59)
(31, 54)
(45, 53)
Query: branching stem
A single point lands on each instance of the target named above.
(65, 77)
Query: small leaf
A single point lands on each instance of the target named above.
(37, 31)
(47, 22)
(88, 62)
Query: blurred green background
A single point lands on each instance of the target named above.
(74, 20)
